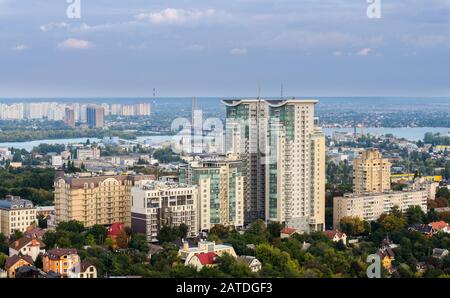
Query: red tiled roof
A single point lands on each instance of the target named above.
(330, 234)
(115, 229)
(288, 231)
(439, 225)
(206, 258)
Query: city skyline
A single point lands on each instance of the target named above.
(224, 49)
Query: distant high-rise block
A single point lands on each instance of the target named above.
(69, 118)
(95, 116)
(371, 173)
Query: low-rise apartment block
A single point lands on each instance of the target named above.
(16, 214)
(155, 204)
(370, 206)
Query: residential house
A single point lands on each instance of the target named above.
(14, 262)
(336, 236)
(34, 232)
(27, 247)
(439, 253)
(387, 256)
(84, 270)
(186, 252)
(253, 263)
(200, 260)
(440, 226)
(427, 230)
(114, 231)
(61, 260)
(288, 232)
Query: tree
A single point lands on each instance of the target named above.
(3, 258)
(220, 231)
(99, 232)
(4, 247)
(167, 234)
(391, 222)
(16, 235)
(122, 240)
(183, 230)
(139, 241)
(71, 226)
(229, 265)
(42, 221)
(90, 240)
(274, 229)
(352, 225)
(257, 232)
(38, 261)
(415, 215)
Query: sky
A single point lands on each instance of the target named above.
(125, 48)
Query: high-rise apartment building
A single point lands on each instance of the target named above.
(95, 116)
(93, 199)
(69, 118)
(283, 151)
(156, 204)
(221, 190)
(371, 173)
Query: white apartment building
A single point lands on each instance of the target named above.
(370, 206)
(89, 153)
(155, 204)
(16, 214)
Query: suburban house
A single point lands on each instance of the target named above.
(186, 252)
(27, 247)
(60, 260)
(114, 230)
(336, 236)
(15, 262)
(253, 263)
(84, 270)
(288, 232)
(440, 253)
(440, 226)
(200, 260)
(34, 232)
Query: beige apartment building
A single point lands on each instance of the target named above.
(94, 199)
(155, 204)
(371, 173)
(16, 214)
(283, 151)
(370, 206)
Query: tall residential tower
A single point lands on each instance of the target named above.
(283, 151)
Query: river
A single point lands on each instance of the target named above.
(409, 133)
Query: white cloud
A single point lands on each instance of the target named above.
(77, 44)
(196, 48)
(365, 52)
(20, 48)
(174, 16)
(238, 51)
(50, 26)
(425, 41)
(338, 53)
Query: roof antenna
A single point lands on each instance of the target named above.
(259, 92)
(282, 91)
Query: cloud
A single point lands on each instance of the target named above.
(172, 16)
(298, 39)
(20, 48)
(77, 44)
(365, 52)
(196, 48)
(52, 25)
(427, 41)
(238, 51)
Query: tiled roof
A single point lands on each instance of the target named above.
(15, 258)
(207, 258)
(288, 231)
(24, 241)
(115, 229)
(439, 225)
(57, 253)
(15, 204)
(331, 234)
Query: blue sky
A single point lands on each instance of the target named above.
(224, 48)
